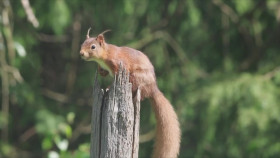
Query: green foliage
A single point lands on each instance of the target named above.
(59, 16)
(217, 61)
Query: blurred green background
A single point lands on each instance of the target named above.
(218, 62)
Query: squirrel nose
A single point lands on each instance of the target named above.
(81, 53)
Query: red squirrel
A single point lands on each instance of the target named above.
(142, 75)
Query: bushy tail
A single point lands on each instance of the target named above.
(168, 134)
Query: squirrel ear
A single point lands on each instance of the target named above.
(100, 39)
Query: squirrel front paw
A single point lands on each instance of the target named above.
(102, 72)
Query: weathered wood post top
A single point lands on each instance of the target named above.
(115, 120)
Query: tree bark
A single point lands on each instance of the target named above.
(115, 120)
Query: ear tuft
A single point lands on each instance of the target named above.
(105, 32)
(88, 32)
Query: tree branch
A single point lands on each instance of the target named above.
(5, 91)
(29, 12)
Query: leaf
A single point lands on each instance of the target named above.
(59, 16)
(47, 143)
(53, 154)
(242, 6)
(62, 144)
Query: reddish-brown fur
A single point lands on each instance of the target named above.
(142, 76)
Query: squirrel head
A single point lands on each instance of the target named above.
(94, 48)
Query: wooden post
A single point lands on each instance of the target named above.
(115, 120)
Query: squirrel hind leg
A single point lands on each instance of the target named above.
(145, 81)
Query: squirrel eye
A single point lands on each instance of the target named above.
(93, 46)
